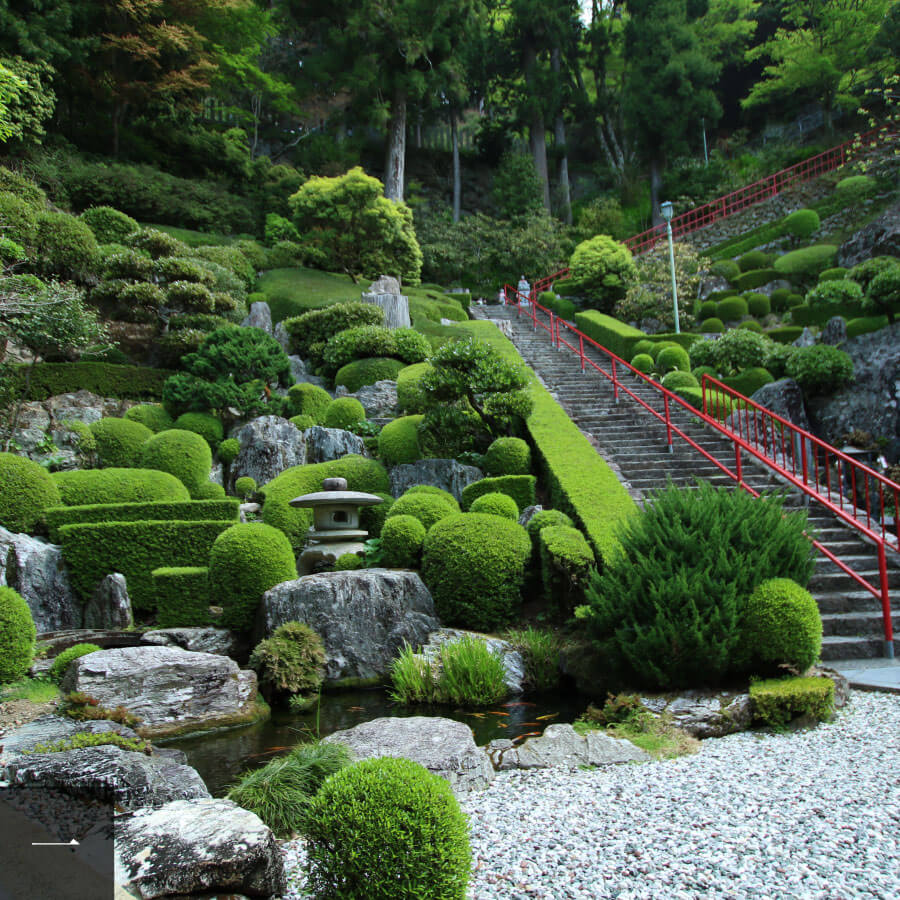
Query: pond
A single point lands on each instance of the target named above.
(221, 756)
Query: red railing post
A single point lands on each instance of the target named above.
(668, 423)
(581, 349)
(738, 465)
(615, 381)
(885, 603)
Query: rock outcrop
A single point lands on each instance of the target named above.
(197, 640)
(269, 445)
(109, 606)
(325, 444)
(880, 238)
(703, 714)
(447, 474)
(260, 317)
(379, 400)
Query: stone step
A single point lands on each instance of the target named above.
(858, 623)
(836, 647)
(845, 601)
(839, 581)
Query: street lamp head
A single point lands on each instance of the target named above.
(666, 210)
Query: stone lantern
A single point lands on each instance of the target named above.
(335, 528)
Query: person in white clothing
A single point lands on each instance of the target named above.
(524, 289)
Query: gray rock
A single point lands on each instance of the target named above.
(298, 368)
(217, 474)
(710, 284)
(169, 688)
(110, 774)
(561, 745)
(364, 617)
(806, 339)
(190, 846)
(442, 746)
(37, 571)
(447, 474)
(260, 317)
(529, 513)
(704, 714)
(841, 684)
(503, 754)
(280, 334)
(110, 605)
(385, 292)
(197, 640)
(269, 445)
(835, 332)
(379, 400)
(881, 238)
(785, 398)
(49, 728)
(385, 284)
(324, 444)
(513, 663)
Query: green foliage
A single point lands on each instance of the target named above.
(207, 426)
(832, 293)
(471, 674)
(398, 441)
(26, 490)
(754, 259)
(19, 218)
(883, 293)
(603, 215)
(209, 490)
(245, 486)
(84, 487)
(119, 441)
(712, 326)
(448, 432)
(779, 700)
(517, 188)
(863, 273)
(372, 518)
(83, 739)
(303, 422)
(643, 362)
(508, 456)
(410, 391)
(738, 350)
(280, 792)
(414, 678)
(152, 415)
(184, 454)
(69, 655)
(290, 661)
(779, 299)
(802, 223)
(758, 305)
(311, 331)
(865, 325)
(84, 708)
(564, 308)
(755, 278)
(855, 189)
(244, 562)
(407, 830)
(820, 370)
(348, 562)
(109, 225)
(361, 372)
(673, 359)
(540, 653)
(228, 451)
(567, 563)
(520, 487)
(616, 336)
(807, 262)
(65, 246)
(731, 309)
(279, 229)
(707, 310)
(94, 550)
(428, 508)
(602, 269)
(749, 381)
(726, 268)
(546, 518)
(402, 537)
(668, 612)
(344, 412)
(474, 566)
(677, 379)
(838, 273)
(182, 596)
(17, 634)
(309, 400)
(496, 504)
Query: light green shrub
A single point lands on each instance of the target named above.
(119, 441)
(603, 269)
(109, 225)
(672, 359)
(677, 379)
(546, 518)
(303, 422)
(712, 326)
(802, 223)
(290, 661)
(228, 451)
(206, 425)
(361, 372)
(758, 305)
(26, 490)
(496, 504)
(838, 273)
(834, 293)
(344, 412)
(643, 362)
(69, 655)
(209, 490)
(725, 268)
(779, 700)
(17, 634)
(410, 395)
(152, 415)
(309, 400)
(182, 596)
(754, 259)
(402, 538)
(807, 262)
(184, 454)
(398, 441)
(426, 507)
(855, 188)
(245, 486)
(507, 456)
(820, 370)
(520, 487)
(567, 562)
(731, 309)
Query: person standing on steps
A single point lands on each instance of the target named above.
(524, 288)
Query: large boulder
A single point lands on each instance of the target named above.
(170, 689)
(385, 292)
(260, 317)
(881, 238)
(109, 606)
(364, 617)
(299, 372)
(192, 846)
(784, 398)
(325, 444)
(37, 571)
(198, 640)
(269, 445)
(379, 400)
(835, 332)
(703, 714)
(49, 729)
(447, 474)
(443, 746)
(513, 663)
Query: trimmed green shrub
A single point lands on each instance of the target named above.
(545, 518)
(290, 661)
(749, 381)
(643, 362)
(410, 395)
(358, 343)
(69, 655)
(754, 259)
(412, 347)
(398, 441)
(786, 334)
(17, 634)
(677, 379)
(835, 293)
(820, 370)
(310, 332)
(372, 518)
(672, 359)
(802, 223)
(883, 293)
(566, 565)
(807, 262)
(344, 412)
(26, 490)
(779, 700)
(854, 189)
(182, 596)
(863, 273)
(94, 550)
(779, 299)
(520, 487)
(712, 326)
(751, 325)
(84, 487)
(309, 400)
(726, 268)
(348, 562)
(616, 336)
(245, 486)
(244, 562)
(731, 309)
(109, 225)
(66, 246)
(119, 441)
(361, 372)
(184, 454)
(496, 504)
(658, 348)
(228, 451)
(738, 350)
(838, 273)
(206, 425)
(19, 219)
(426, 507)
(209, 490)
(782, 626)
(700, 371)
(865, 325)
(755, 278)
(507, 456)
(302, 422)
(402, 538)
(603, 269)
(408, 834)
(644, 346)
(707, 310)
(105, 379)
(151, 415)
(562, 306)
(434, 491)
(758, 305)
(668, 612)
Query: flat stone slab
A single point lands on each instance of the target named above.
(703, 714)
(189, 846)
(49, 728)
(198, 640)
(441, 745)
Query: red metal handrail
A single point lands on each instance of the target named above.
(768, 187)
(802, 467)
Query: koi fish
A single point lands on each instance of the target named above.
(356, 709)
(548, 716)
(517, 703)
(494, 712)
(476, 715)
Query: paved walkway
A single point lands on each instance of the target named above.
(870, 674)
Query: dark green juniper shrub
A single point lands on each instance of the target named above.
(669, 612)
(291, 661)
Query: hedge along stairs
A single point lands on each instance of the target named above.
(635, 445)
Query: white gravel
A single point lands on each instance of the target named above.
(804, 815)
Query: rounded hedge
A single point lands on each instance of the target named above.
(209, 491)
(546, 518)
(758, 305)
(751, 325)
(228, 451)
(303, 422)
(152, 415)
(474, 566)
(712, 326)
(109, 225)
(244, 562)
(496, 504)
(372, 518)
(398, 441)
(677, 379)
(855, 188)
(507, 456)
(779, 299)
(427, 508)
(410, 396)
(821, 369)
(361, 372)
(643, 346)
(782, 626)
(725, 268)
(344, 412)
(659, 346)
(829, 293)
(435, 491)
(119, 441)
(731, 309)
(309, 400)
(408, 836)
(754, 259)
(801, 223)
(707, 310)
(84, 487)
(700, 371)
(69, 655)
(19, 219)
(838, 273)
(348, 562)
(401, 541)
(244, 487)
(184, 454)
(643, 362)
(26, 490)
(807, 262)
(206, 425)
(673, 358)
(66, 245)
(17, 634)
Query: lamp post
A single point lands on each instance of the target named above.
(666, 210)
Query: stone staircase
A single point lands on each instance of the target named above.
(634, 444)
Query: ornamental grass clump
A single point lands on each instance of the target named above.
(291, 661)
(540, 652)
(471, 674)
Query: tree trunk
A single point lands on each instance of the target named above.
(396, 152)
(537, 130)
(457, 186)
(655, 187)
(559, 137)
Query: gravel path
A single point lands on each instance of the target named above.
(805, 815)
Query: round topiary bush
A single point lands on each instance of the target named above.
(700, 371)
(119, 441)
(309, 400)
(228, 451)
(496, 504)
(410, 395)
(643, 346)
(153, 415)
(184, 454)
(401, 541)
(707, 310)
(474, 566)
(677, 379)
(805, 263)
(303, 422)
(209, 491)
(758, 305)
(408, 834)
(66, 246)
(820, 370)
(712, 326)
(673, 358)
(206, 425)
(657, 347)
(427, 508)
(754, 259)
(361, 372)
(245, 487)
(546, 518)
(838, 273)
(731, 309)
(435, 491)
(17, 634)
(603, 269)
(69, 655)
(508, 456)
(344, 413)
(290, 661)
(751, 325)
(26, 490)
(739, 350)
(19, 219)
(398, 441)
(833, 293)
(82, 487)
(109, 225)
(802, 223)
(643, 362)
(244, 562)
(855, 188)
(782, 626)
(348, 562)
(371, 518)
(779, 299)
(727, 269)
